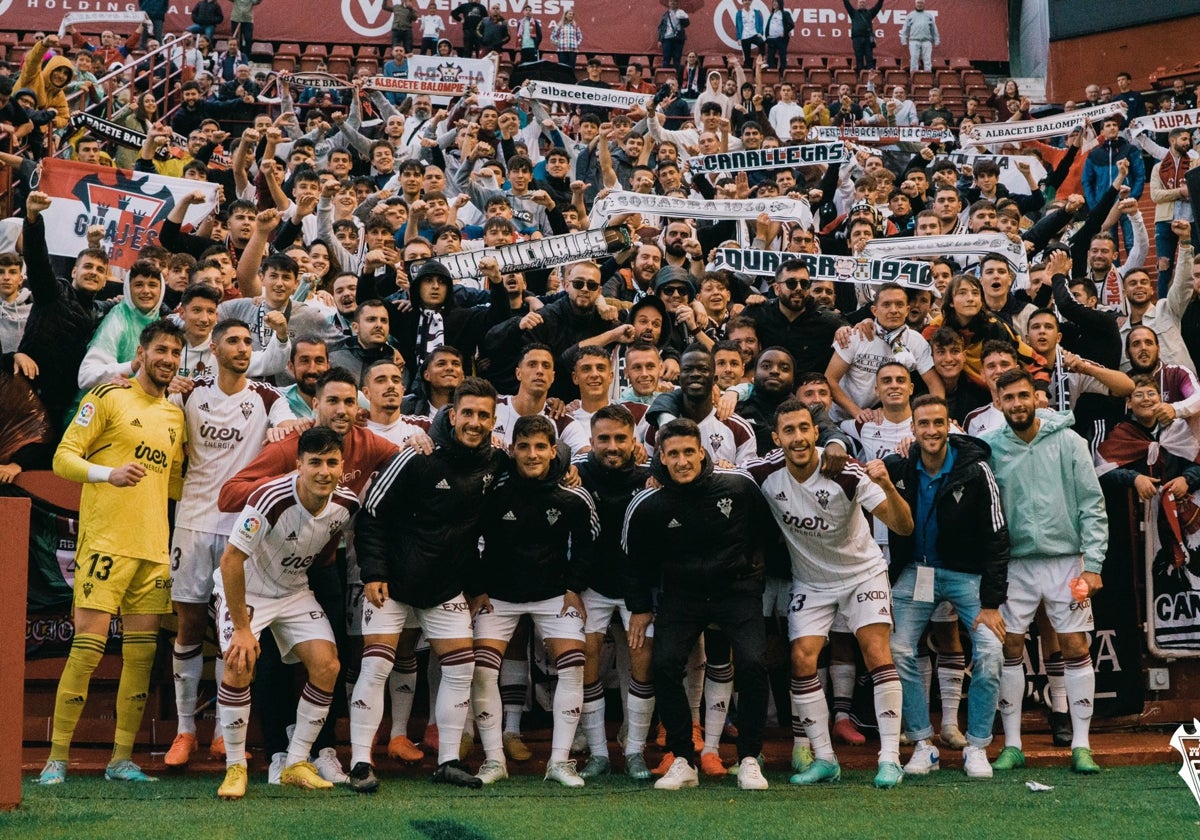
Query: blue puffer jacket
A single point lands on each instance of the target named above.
(1100, 168)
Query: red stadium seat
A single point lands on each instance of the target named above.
(820, 76)
(314, 55)
(838, 62)
(287, 58)
(960, 63)
(920, 78)
(341, 58)
(812, 62)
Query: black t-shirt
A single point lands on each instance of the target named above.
(14, 115)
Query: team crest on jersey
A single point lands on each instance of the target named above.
(171, 432)
(715, 440)
(250, 526)
(823, 499)
(247, 409)
(488, 478)
(725, 506)
(87, 590)
(86, 412)
(957, 494)
(552, 515)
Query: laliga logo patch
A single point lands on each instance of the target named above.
(363, 17)
(250, 525)
(1187, 744)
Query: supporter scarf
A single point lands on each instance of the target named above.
(838, 269)
(782, 157)
(779, 209)
(1172, 169)
(1059, 126)
(1132, 443)
(582, 95)
(430, 329)
(1164, 122)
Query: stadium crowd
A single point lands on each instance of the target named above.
(426, 370)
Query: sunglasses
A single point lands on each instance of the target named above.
(792, 283)
(580, 285)
(673, 291)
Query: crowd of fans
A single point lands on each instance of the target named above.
(335, 205)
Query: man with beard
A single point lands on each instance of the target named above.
(743, 332)
(570, 322)
(383, 386)
(227, 419)
(363, 452)
(958, 553)
(774, 382)
(1059, 533)
(420, 524)
(1164, 315)
(125, 445)
(308, 360)
(837, 568)
(729, 442)
(731, 370)
(1179, 389)
(698, 537)
(1102, 268)
(681, 249)
(609, 473)
(637, 281)
(369, 342)
(434, 384)
(793, 321)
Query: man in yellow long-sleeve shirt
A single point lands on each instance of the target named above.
(125, 445)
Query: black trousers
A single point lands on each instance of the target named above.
(402, 38)
(864, 54)
(747, 45)
(678, 623)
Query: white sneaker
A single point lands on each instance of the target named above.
(492, 771)
(681, 775)
(750, 776)
(975, 763)
(330, 768)
(564, 773)
(275, 771)
(924, 760)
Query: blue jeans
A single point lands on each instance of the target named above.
(912, 617)
(208, 31)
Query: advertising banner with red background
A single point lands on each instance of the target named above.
(976, 29)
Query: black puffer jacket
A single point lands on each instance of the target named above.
(702, 539)
(420, 523)
(972, 534)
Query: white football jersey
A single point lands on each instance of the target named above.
(401, 429)
(877, 441)
(283, 539)
(729, 440)
(984, 419)
(828, 538)
(571, 432)
(225, 432)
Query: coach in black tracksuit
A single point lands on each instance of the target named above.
(700, 538)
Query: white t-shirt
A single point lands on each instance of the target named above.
(781, 117)
(875, 441)
(283, 539)
(822, 520)
(431, 26)
(729, 440)
(401, 429)
(571, 432)
(866, 357)
(984, 419)
(225, 432)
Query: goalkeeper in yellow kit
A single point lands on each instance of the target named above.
(125, 444)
